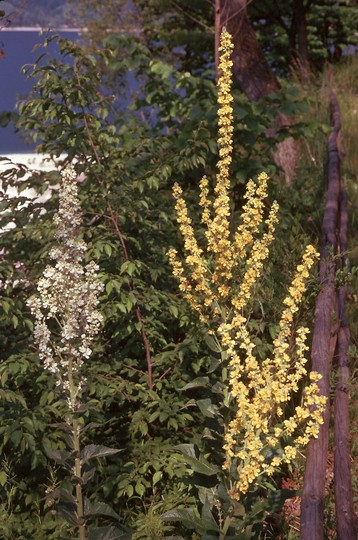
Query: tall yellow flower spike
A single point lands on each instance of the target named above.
(218, 282)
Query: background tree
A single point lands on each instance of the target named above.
(250, 69)
(306, 33)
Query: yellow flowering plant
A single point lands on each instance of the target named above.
(219, 281)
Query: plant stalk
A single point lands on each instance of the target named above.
(78, 472)
(76, 447)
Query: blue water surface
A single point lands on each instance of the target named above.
(18, 50)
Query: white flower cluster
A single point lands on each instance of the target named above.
(65, 309)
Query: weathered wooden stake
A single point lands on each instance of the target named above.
(345, 517)
(324, 342)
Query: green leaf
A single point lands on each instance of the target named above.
(92, 451)
(99, 509)
(199, 382)
(109, 533)
(5, 117)
(109, 287)
(207, 518)
(157, 476)
(186, 516)
(5, 306)
(129, 304)
(108, 249)
(153, 416)
(131, 268)
(68, 514)
(207, 408)
(62, 495)
(128, 267)
(3, 478)
(200, 465)
(129, 490)
(164, 70)
(60, 456)
(88, 475)
(174, 311)
(140, 489)
(212, 343)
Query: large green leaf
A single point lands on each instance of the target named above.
(200, 465)
(212, 344)
(207, 518)
(187, 516)
(99, 509)
(205, 525)
(199, 382)
(109, 533)
(208, 408)
(63, 495)
(61, 456)
(92, 451)
(68, 513)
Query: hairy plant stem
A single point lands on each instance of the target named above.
(78, 472)
(77, 448)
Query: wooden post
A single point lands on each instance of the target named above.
(345, 517)
(324, 342)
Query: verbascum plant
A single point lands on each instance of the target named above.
(67, 297)
(66, 323)
(219, 282)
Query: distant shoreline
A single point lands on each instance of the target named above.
(41, 29)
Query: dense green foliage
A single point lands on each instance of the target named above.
(184, 31)
(152, 379)
(330, 28)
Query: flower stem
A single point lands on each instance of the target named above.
(78, 472)
(77, 448)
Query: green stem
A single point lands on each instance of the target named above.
(78, 473)
(77, 448)
(225, 528)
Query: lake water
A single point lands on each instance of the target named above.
(17, 45)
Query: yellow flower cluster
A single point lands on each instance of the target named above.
(219, 232)
(219, 283)
(252, 214)
(260, 389)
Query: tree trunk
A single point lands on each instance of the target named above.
(302, 51)
(251, 69)
(253, 73)
(217, 36)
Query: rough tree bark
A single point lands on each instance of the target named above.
(302, 51)
(251, 69)
(253, 73)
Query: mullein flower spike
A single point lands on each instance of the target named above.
(67, 299)
(218, 281)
